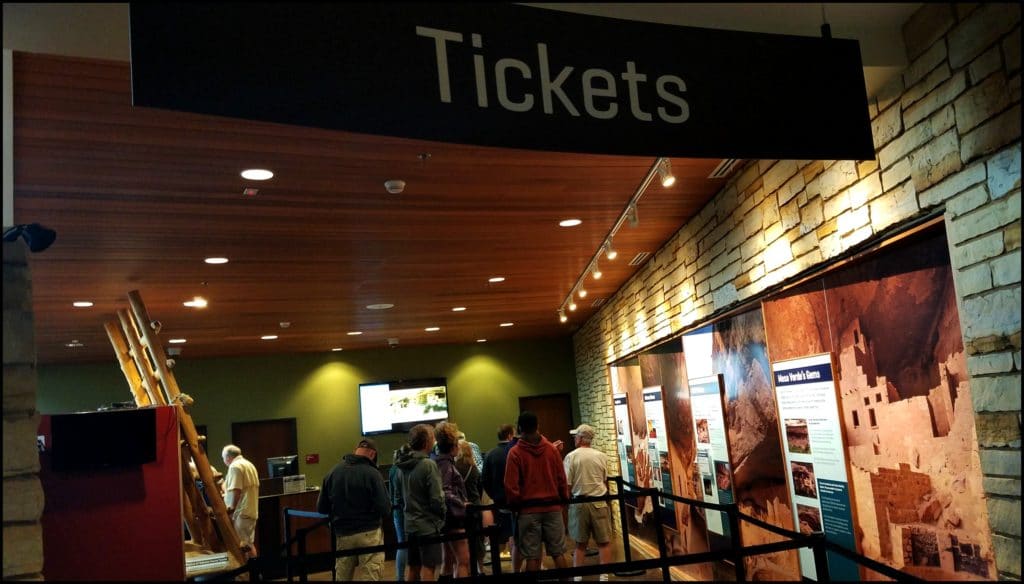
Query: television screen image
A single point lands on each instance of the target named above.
(96, 440)
(397, 406)
(283, 466)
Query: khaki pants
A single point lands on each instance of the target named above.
(245, 527)
(371, 565)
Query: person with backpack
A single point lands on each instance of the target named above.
(398, 510)
(423, 503)
(471, 476)
(456, 553)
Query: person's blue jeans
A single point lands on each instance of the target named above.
(402, 554)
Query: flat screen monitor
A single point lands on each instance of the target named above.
(94, 440)
(283, 466)
(397, 406)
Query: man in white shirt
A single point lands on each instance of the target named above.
(241, 495)
(586, 469)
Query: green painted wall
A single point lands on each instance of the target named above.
(485, 382)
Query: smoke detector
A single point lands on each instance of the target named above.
(394, 186)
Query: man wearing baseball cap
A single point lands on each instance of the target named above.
(586, 469)
(354, 496)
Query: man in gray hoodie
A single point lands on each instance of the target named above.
(354, 496)
(423, 501)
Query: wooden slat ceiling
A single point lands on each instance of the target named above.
(139, 197)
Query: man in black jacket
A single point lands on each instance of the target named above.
(493, 481)
(354, 496)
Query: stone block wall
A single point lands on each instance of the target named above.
(23, 493)
(947, 141)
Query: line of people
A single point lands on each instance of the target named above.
(437, 473)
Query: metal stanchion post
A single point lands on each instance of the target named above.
(303, 577)
(820, 558)
(471, 530)
(734, 533)
(626, 552)
(660, 531)
(288, 552)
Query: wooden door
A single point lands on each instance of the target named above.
(554, 416)
(262, 439)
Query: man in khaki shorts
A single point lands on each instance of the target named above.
(586, 469)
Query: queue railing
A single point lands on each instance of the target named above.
(735, 554)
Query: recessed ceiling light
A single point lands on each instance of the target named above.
(336, 349)
(459, 309)
(81, 304)
(177, 341)
(431, 329)
(381, 306)
(506, 324)
(257, 174)
(354, 333)
(569, 222)
(481, 340)
(268, 337)
(216, 260)
(197, 302)
(496, 279)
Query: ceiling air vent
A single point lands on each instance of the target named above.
(597, 303)
(724, 168)
(640, 258)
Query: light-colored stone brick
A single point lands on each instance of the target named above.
(981, 103)
(811, 215)
(1004, 171)
(886, 126)
(914, 137)
(896, 174)
(984, 220)
(866, 167)
(23, 498)
(1001, 463)
(789, 215)
(17, 292)
(1004, 515)
(975, 279)
(935, 161)
(1011, 51)
(777, 255)
(1011, 237)
(896, 205)
(21, 455)
(1001, 486)
(990, 363)
(853, 219)
(933, 99)
(23, 549)
(967, 201)
(926, 26)
(992, 135)
(724, 296)
(997, 429)
(1006, 269)
(838, 177)
(952, 185)
(989, 61)
(924, 65)
(996, 313)
(19, 388)
(789, 190)
(19, 338)
(837, 205)
(1007, 554)
(983, 28)
(778, 174)
(865, 190)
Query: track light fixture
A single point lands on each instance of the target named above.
(561, 315)
(609, 251)
(665, 173)
(37, 237)
(661, 167)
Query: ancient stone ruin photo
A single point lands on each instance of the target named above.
(796, 436)
(703, 436)
(810, 518)
(803, 479)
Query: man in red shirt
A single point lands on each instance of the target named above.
(534, 471)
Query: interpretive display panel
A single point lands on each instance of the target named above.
(622, 438)
(712, 449)
(657, 453)
(805, 392)
(905, 399)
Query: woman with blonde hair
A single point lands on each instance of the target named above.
(456, 553)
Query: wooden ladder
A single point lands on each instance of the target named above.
(144, 364)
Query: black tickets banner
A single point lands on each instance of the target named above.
(506, 75)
